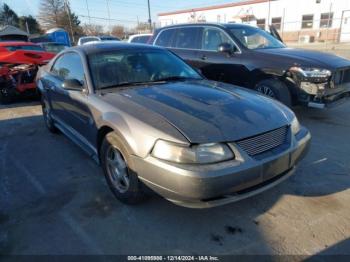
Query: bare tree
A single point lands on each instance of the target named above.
(118, 31)
(93, 29)
(50, 13)
(57, 13)
(142, 28)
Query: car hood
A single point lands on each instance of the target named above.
(205, 111)
(26, 57)
(307, 57)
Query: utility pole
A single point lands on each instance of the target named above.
(66, 5)
(268, 18)
(27, 27)
(88, 11)
(109, 17)
(149, 16)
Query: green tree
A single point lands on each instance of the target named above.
(71, 23)
(8, 16)
(33, 25)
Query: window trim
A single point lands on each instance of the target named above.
(257, 24)
(191, 49)
(330, 17)
(312, 21)
(280, 23)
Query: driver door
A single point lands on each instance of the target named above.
(71, 106)
(217, 65)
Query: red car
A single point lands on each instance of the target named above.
(19, 62)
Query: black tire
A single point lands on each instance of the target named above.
(6, 97)
(131, 194)
(49, 123)
(276, 89)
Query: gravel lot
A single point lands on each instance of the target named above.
(54, 200)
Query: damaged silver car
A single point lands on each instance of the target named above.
(150, 119)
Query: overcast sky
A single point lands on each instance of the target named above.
(125, 12)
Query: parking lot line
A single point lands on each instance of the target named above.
(66, 217)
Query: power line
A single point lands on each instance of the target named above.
(106, 19)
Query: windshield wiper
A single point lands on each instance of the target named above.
(126, 84)
(176, 78)
(160, 80)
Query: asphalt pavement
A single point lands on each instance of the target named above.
(54, 200)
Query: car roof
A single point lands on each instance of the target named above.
(105, 36)
(16, 43)
(222, 25)
(111, 46)
(89, 36)
(51, 43)
(149, 34)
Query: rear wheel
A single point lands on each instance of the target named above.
(275, 89)
(122, 181)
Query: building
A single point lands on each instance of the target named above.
(296, 20)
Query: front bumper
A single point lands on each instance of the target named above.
(202, 186)
(329, 97)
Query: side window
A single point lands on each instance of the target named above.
(69, 66)
(212, 38)
(135, 39)
(165, 37)
(187, 38)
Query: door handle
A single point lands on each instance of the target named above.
(204, 57)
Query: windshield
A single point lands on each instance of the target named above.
(255, 38)
(143, 39)
(54, 48)
(123, 67)
(109, 38)
(24, 47)
(88, 39)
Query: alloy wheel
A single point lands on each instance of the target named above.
(117, 170)
(266, 90)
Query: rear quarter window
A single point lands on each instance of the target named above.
(165, 38)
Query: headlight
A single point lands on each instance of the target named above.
(295, 126)
(196, 154)
(311, 72)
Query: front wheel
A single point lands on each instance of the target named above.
(6, 96)
(47, 117)
(275, 89)
(122, 181)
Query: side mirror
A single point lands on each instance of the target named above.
(225, 48)
(72, 84)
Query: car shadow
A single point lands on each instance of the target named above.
(21, 101)
(339, 251)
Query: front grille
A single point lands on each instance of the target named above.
(342, 76)
(264, 142)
